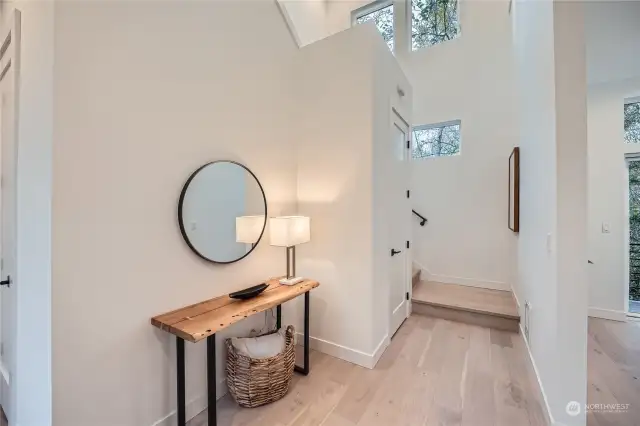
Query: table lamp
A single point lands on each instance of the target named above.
(289, 231)
(249, 229)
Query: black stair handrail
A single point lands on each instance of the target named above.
(423, 220)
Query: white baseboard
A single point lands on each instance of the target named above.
(470, 282)
(532, 365)
(193, 407)
(515, 297)
(377, 353)
(425, 274)
(353, 356)
(608, 314)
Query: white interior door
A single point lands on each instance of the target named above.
(399, 221)
(8, 153)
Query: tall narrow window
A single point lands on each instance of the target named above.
(436, 140)
(632, 122)
(381, 13)
(634, 236)
(433, 21)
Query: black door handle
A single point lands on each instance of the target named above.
(6, 282)
(394, 252)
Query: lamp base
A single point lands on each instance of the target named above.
(291, 281)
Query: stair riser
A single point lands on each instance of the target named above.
(452, 314)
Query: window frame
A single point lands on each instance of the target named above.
(457, 122)
(369, 8)
(409, 25)
(375, 6)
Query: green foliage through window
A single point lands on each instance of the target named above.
(433, 21)
(632, 123)
(383, 18)
(634, 230)
(436, 141)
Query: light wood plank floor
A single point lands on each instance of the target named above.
(614, 371)
(434, 373)
(471, 299)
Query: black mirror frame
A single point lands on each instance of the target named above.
(181, 202)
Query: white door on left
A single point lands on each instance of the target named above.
(10, 35)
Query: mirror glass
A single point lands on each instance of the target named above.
(222, 211)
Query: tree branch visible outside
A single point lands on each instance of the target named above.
(383, 19)
(436, 141)
(433, 21)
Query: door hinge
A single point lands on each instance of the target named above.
(1, 349)
(407, 295)
(408, 193)
(408, 244)
(408, 144)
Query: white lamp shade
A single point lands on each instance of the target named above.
(288, 231)
(249, 228)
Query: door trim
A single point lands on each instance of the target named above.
(10, 68)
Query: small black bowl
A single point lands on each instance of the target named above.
(248, 293)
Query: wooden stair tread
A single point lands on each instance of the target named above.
(471, 299)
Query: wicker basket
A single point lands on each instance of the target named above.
(255, 382)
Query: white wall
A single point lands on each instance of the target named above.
(613, 35)
(533, 43)
(552, 241)
(464, 197)
(144, 94)
(306, 19)
(346, 116)
(570, 377)
(613, 39)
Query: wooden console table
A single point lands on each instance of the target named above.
(202, 320)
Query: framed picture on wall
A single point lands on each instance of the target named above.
(514, 190)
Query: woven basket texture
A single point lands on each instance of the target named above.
(255, 382)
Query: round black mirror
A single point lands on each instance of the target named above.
(222, 211)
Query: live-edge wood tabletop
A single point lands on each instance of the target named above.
(195, 322)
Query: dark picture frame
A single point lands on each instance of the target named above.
(514, 190)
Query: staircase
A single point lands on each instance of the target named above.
(472, 305)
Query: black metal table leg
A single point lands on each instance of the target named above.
(180, 381)
(212, 411)
(278, 317)
(305, 368)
